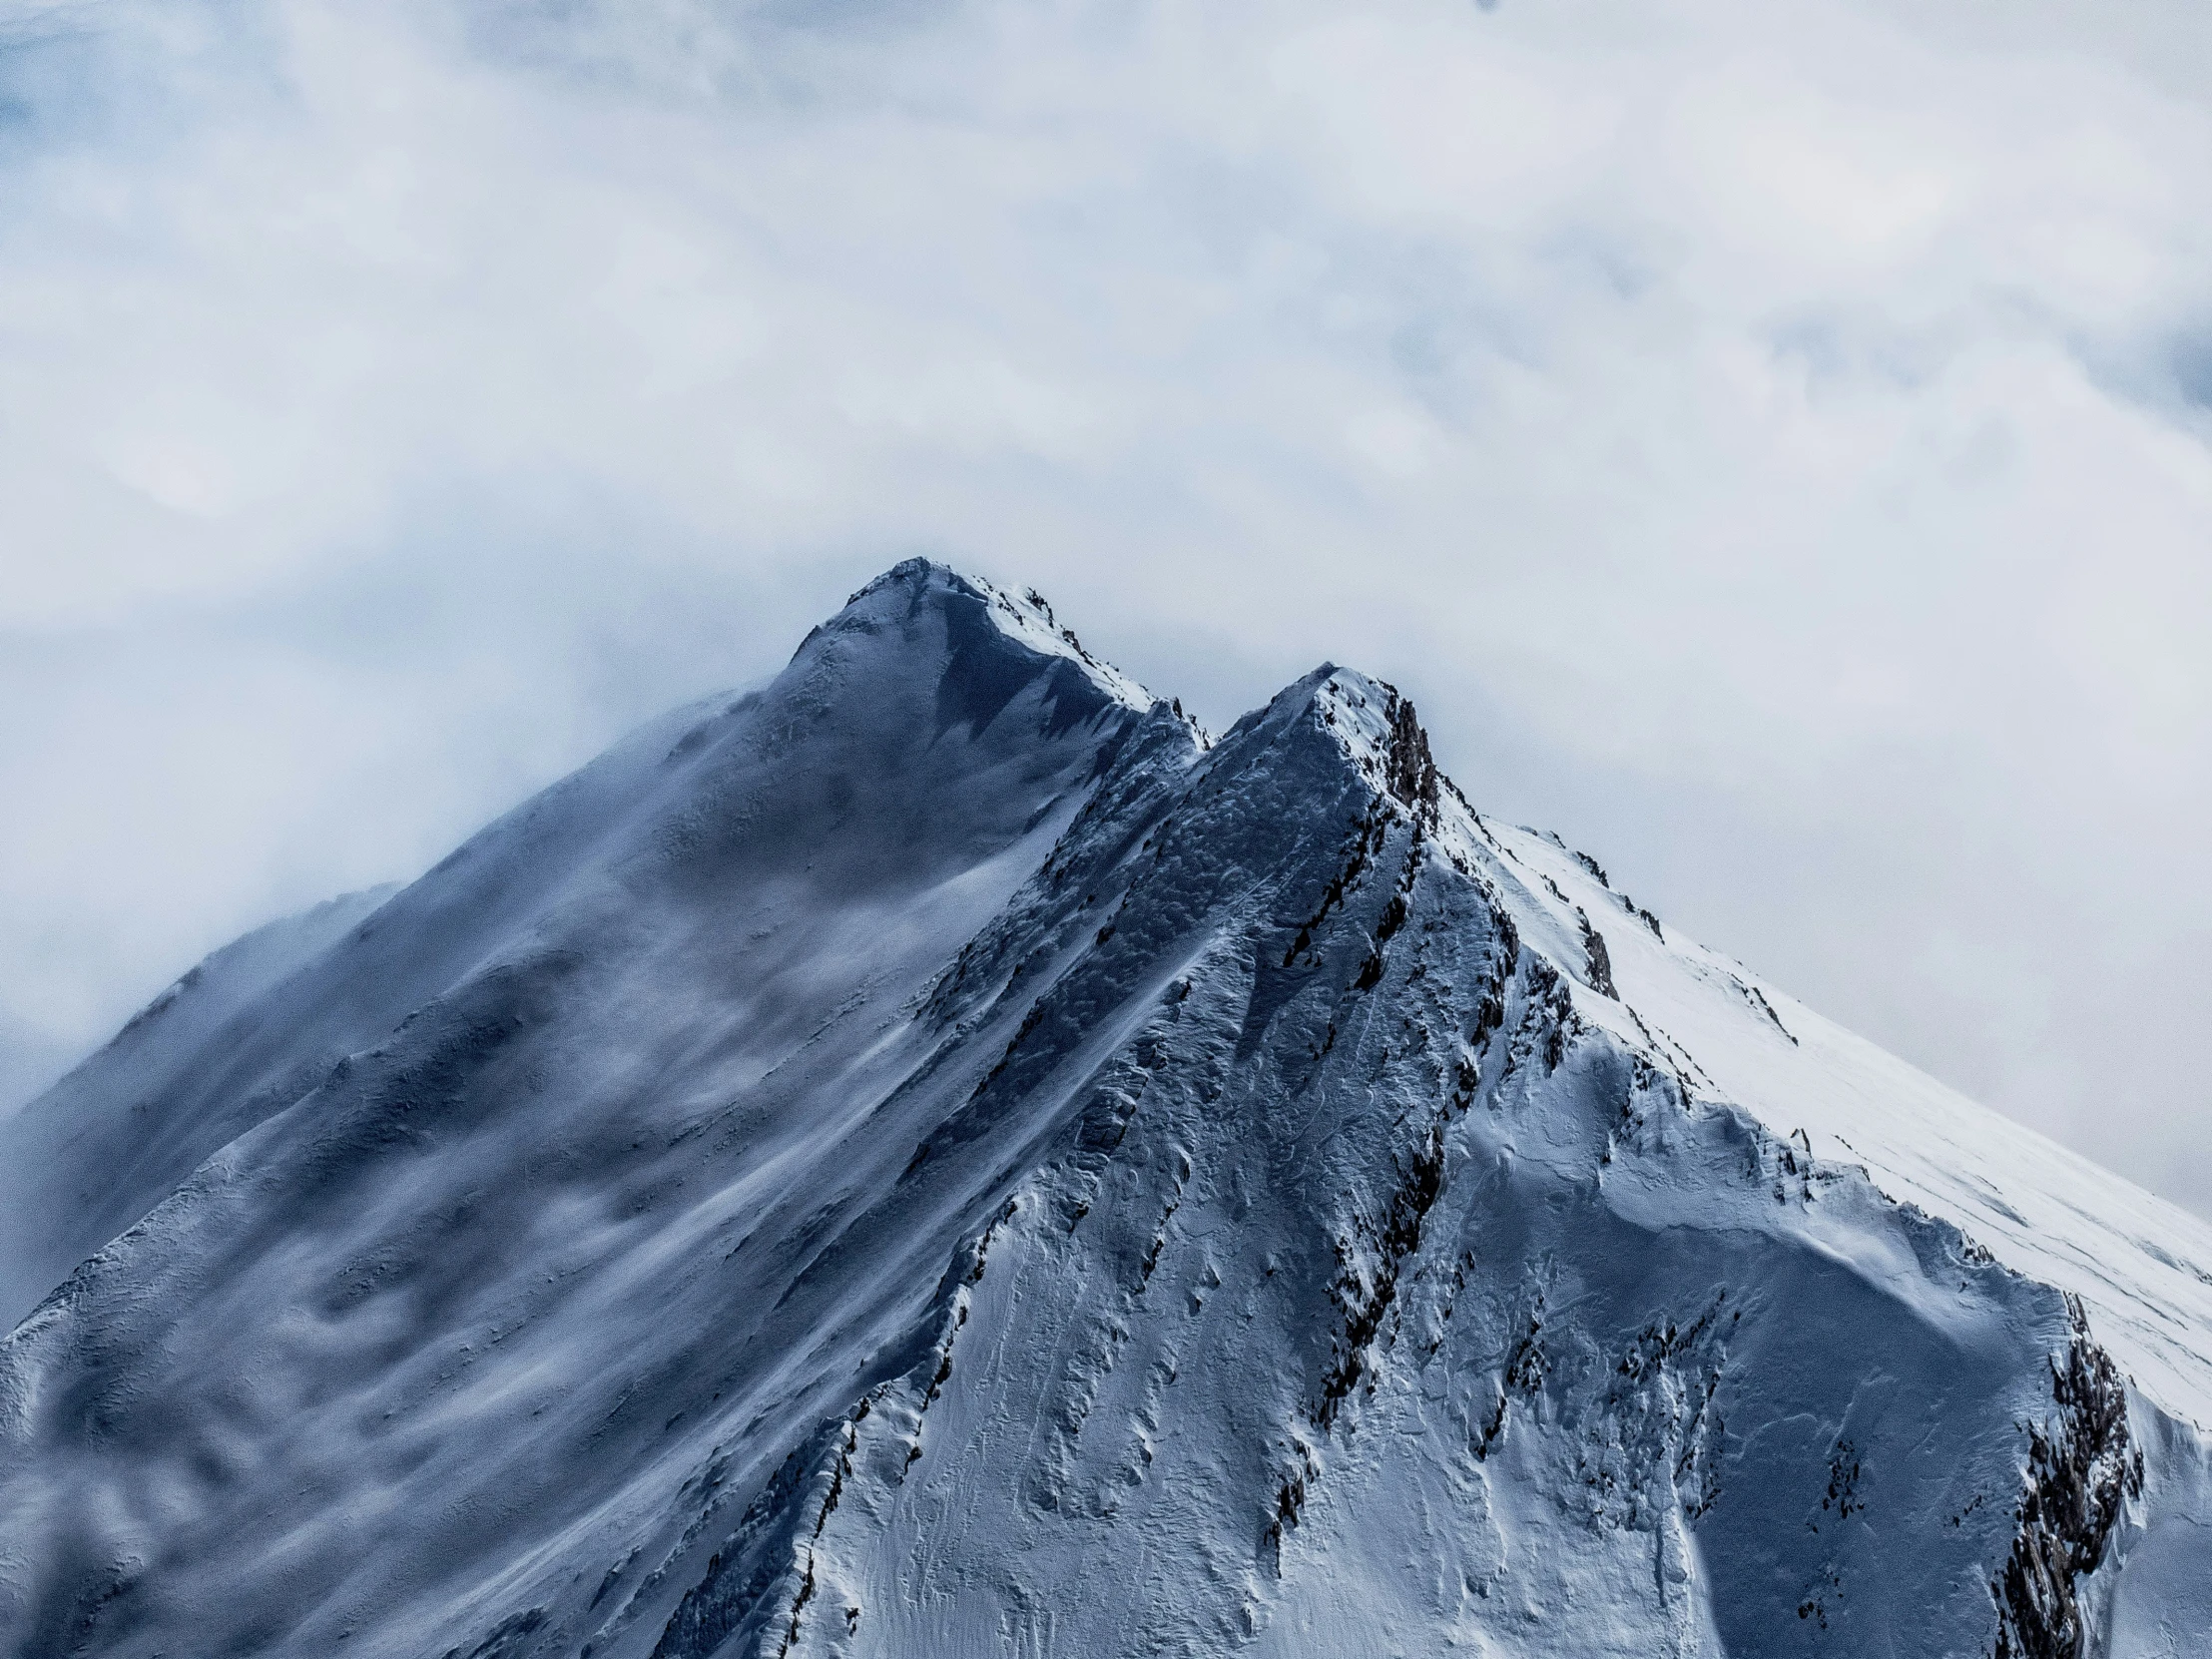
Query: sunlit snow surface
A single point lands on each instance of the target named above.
(938, 1157)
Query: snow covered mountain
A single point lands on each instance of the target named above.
(941, 1157)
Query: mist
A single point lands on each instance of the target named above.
(1769, 444)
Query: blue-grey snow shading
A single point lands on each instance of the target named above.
(941, 1157)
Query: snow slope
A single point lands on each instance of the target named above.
(111, 1140)
(939, 1156)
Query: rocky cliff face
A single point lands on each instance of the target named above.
(941, 1156)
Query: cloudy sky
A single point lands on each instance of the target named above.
(1771, 444)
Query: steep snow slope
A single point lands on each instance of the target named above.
(108, 1142)
(938, 1155)
(2138, 1261)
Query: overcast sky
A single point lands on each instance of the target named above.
(1771, 444)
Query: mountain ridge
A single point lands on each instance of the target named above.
(779, 1199)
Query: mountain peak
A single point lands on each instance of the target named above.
(966, 603)
(1369, 721)
(1379, 730)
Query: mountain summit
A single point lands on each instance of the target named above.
(939, 1156)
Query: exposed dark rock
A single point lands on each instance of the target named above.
(2081, 1469)
(1601, 960)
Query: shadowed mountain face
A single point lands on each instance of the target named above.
(939, 1156)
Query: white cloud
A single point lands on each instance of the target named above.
(1771, 443)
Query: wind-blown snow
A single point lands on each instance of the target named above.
(941, 1156)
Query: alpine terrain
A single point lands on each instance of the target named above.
(941, 1156)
